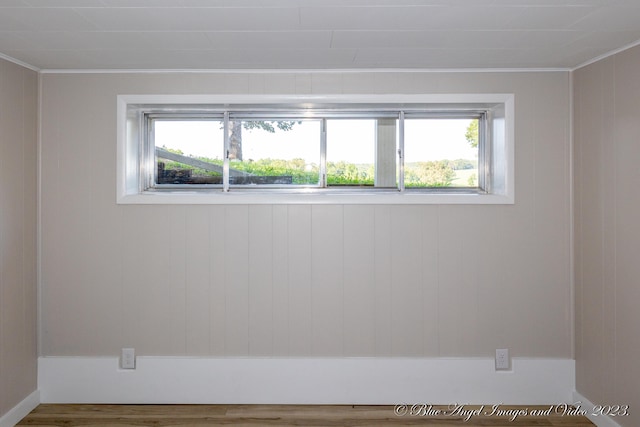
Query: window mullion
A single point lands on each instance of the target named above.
(484, 150)
(149, 167)
(323, 153)
(225, 165)
(401, 151)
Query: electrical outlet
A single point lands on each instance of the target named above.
(128, 359)
(502, 359)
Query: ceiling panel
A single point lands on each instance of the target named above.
(271, 39)
(10, 40)
(578, 55)
(48, 19)
(201, 3)
(371, 18)
(556, 3)
(477, 17)
(392, 3)
(187, 40)
(432, 58)
(548, 17)
(428, 39)
(64, 3)
(191, 19)
(229, 58)
(9, 23)
(183, 34)
(551, 39)
(609, 41)
(13, 3)
(113, 41)
(623, 18)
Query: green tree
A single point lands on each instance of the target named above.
(472, 133)
(430, 174)
(236, 126)
(345, 173)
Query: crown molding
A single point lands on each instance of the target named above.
(302, 71)
(20, 63)
(607, 55)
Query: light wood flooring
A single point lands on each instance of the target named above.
(281, 415)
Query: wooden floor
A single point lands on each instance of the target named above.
(292, 415)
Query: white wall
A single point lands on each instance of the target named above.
(607, 179)
(310, 280)
(18, 195)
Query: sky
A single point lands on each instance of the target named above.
(348, 140)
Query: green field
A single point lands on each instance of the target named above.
(462, 177)
(175, 168)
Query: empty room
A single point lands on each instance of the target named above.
(319, 212)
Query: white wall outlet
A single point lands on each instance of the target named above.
(128, 359)
(502, 359)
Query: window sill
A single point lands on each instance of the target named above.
(313, 196)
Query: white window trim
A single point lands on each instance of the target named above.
(129, 188)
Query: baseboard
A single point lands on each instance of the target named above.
(600, 420)
(21, 410)
(305, 381)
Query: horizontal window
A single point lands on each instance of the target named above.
(314, 151)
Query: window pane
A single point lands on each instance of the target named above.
(441, 153)
(188, 151)
(281, 152)
(350, 152)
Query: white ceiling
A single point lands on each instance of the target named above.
(314, 34)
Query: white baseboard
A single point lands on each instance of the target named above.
(305, 381)
(21, 410)
(600, 420)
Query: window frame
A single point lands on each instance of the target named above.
(148, 166)
(496, 154)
